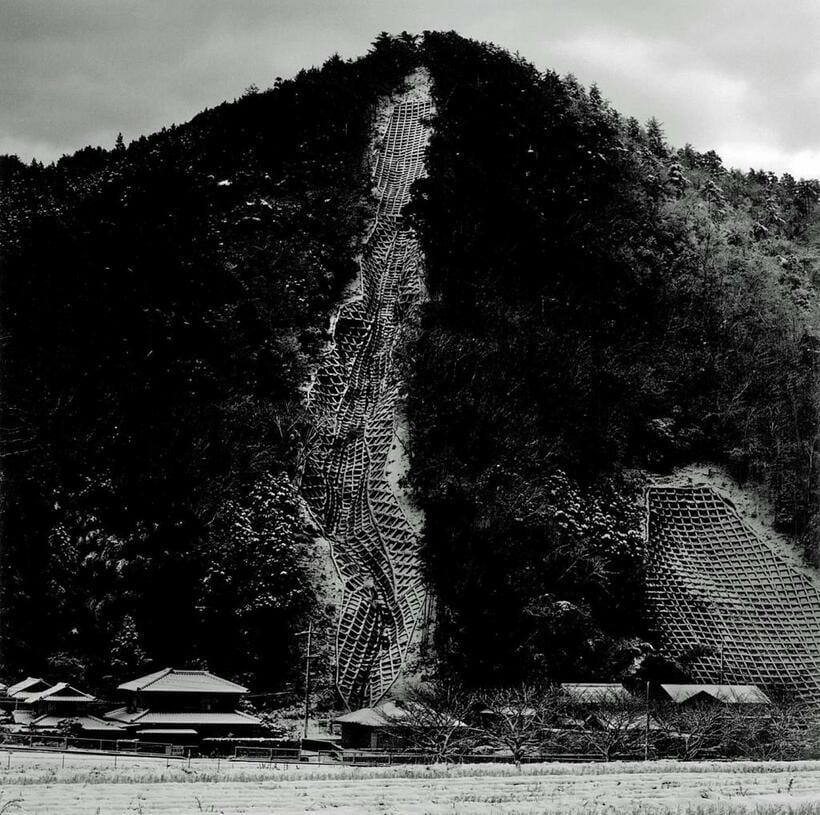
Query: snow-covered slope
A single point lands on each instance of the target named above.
(352, 472)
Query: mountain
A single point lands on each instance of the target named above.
(598, 309)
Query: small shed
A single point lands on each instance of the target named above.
(367, 728)
(692, 695)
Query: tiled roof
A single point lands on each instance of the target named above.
(595, 692)
(121, 714)
(30, 686)
(163, 717)
(87, 722)
(384, 715)
(62, 692)
(143, 717)
(373, 716)
(172, 680)
(167, 731)
(730, 694)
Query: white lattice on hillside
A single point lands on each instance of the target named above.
(712, 581)
(356, 406)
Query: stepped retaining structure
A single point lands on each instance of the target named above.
(351, 474)
(713, 581)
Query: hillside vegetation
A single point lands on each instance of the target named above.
(602, 306)
(161, 305)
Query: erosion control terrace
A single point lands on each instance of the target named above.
(712, 581)
(351, 474)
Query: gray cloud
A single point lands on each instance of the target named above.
(740, 77)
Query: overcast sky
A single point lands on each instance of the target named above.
(738, 76)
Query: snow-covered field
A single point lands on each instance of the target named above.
(39, 783)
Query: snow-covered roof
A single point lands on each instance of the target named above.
(146, 716)
(728, 694)
(386, 713)
(62, 692)
(173, 680)
(30, 686)
(168, 731)
(373, 716)
(595, 692)
(52, 720)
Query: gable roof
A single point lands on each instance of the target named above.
(728, 694)
(30, 686)
(86, 722)
(373, 716)
(595, 692)
(172, 680)
(62, 692)
(387, 713)
(146, 716)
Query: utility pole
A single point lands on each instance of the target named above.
(646, 727)
(308, 656)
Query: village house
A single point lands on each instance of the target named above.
(368, 727)
(63, 704)
(41, 706)
(26, 688)
(183, 705)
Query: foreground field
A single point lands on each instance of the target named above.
(70, 785)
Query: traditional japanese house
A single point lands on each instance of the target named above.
(183, 705)
(64, 706)
(369, 727)
(46, 707)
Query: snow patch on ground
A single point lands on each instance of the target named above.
(91, 784)
(396, 468)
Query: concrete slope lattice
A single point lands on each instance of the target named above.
(352, 469)
(713, 581)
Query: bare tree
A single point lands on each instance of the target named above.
(614, 725)
(694, 731)
(521, 719)
(434, 721)
(785, 730)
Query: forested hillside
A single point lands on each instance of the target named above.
(602, 306)
(161, 305)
